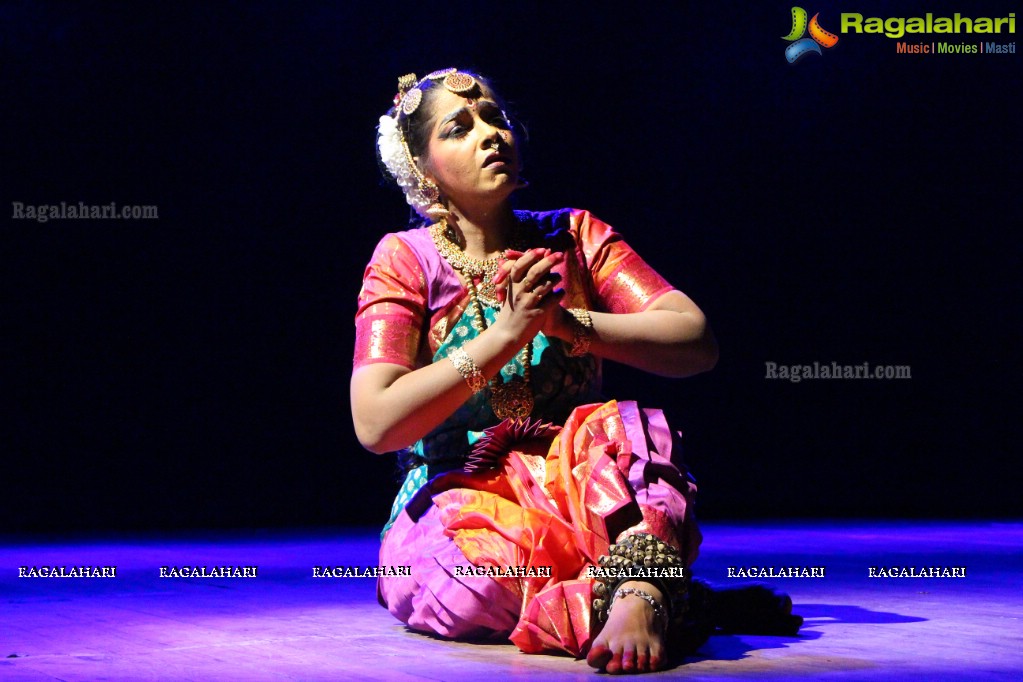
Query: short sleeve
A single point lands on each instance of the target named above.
(392, 305)
(623, 281)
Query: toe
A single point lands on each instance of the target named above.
(656, 657)
(598, 657)
(642, 661)
(629, 660)
(614, 666)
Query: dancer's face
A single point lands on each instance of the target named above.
(472, 152)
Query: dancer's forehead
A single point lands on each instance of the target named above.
(447, 106)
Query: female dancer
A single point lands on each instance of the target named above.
(532, 510)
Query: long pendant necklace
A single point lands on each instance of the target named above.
(513, 398)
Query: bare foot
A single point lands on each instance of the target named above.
(632, 640)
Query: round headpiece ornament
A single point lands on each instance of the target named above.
(410, 102)
(459, 83)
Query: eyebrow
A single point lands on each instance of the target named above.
(453, 115)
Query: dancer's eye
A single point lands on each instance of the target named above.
(456, 131)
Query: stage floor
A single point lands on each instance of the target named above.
(285, 624)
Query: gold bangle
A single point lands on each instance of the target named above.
(467, 367)
(582, 331)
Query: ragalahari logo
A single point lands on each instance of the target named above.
(803, 46)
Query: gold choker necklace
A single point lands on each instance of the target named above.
(513, 398)
(471, 268)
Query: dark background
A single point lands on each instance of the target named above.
(191, 372)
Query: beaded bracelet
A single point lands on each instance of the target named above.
(467, 367)
(582, 331)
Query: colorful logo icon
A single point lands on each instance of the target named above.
(803, 46)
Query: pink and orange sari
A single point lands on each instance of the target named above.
(554, 503)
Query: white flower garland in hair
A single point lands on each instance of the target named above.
(396, 158)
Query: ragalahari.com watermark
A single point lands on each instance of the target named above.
(42, 213)
(834, 370)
